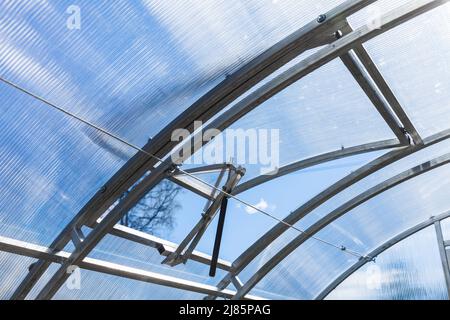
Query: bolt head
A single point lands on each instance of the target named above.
(321, 18)
(338, 34)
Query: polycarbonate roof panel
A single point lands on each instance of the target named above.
(410, 270)
(134, 66)
(49, 168)
(445, 225)
(100, 286)
(13, 270)
(186, 212)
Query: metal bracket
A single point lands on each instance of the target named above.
(187, 246)
(77, 236)
(236, 282)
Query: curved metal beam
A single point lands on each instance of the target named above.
(204, 109)
(339, 212)
(314, 161)
(377, 251)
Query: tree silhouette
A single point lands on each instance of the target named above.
(155, 211)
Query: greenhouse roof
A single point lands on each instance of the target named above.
(342, 193)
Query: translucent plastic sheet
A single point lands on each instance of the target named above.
(49, 168)
(408, 162)
(410, 270)
(98, 286)
(127, 253)
(13, 270)
(134, 66)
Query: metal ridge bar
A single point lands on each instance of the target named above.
(367, 85)
(203, 109)
(39, 252)
(382, 85)
(339, 212)
(193, 185)
(377, 251)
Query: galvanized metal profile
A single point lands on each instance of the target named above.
(259, 245)
(366, 84)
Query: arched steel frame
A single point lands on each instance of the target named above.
(142, 172)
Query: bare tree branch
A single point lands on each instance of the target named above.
(155, 211)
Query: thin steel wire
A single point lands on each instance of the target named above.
(113, 136)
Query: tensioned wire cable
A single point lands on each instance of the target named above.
(92, 125)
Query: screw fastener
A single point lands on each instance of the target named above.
(321, 18)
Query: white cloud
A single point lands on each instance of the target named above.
(262, 205)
